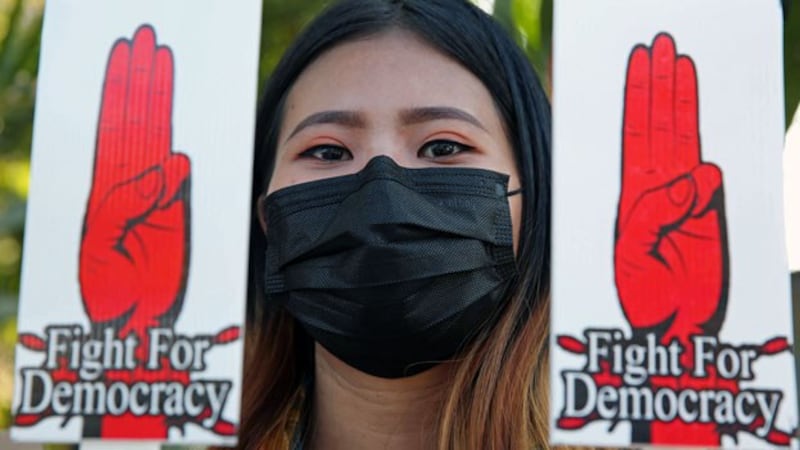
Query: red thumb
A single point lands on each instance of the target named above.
(708, 180)
(123, 204)
(657, 209)
(176, 170)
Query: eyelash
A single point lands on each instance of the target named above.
(324, 152)
(319, 152)
(458, 147)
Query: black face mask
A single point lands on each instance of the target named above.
(392, 270)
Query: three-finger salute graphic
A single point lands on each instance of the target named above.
(135, 246)
(670, 253)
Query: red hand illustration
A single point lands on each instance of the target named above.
(670, 255)
(135, 246)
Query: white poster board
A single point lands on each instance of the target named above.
(671, 318)
(135, 257)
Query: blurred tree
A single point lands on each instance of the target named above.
(281, 21)
(532, 22)
(20, 27)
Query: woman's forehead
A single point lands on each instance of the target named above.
(384, 74)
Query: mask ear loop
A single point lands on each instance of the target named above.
(260, 211)
(514, 192)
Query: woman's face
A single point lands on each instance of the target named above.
(391, 95)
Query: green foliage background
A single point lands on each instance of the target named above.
(530, 21)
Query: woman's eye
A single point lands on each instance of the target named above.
(442, 149)
(327, 153)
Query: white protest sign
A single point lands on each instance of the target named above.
(671, 319)
(135, 257)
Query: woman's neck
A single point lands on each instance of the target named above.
(353, 410)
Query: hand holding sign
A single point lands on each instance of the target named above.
(134, 251)
(670, 255)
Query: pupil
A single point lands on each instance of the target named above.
(442, 149)
(329, 154)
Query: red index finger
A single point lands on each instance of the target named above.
(159, 119)
(662, 126)
(138, 156)
(636, 124)
(687, 134)
(636, 158)
(110, 129)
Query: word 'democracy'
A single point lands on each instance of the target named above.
(617, 382)
(100, 374)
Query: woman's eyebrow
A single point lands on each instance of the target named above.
(350, 119)
(429, 113)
